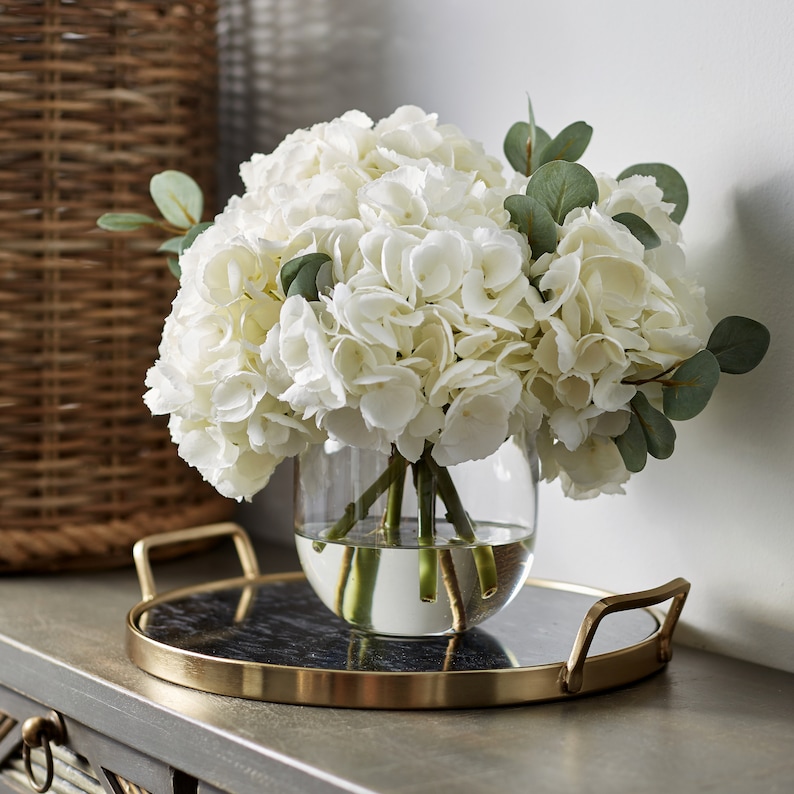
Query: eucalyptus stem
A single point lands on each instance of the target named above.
(359, 509)
(451, 652)
(428, 557)
(483, 555)
(452, 586)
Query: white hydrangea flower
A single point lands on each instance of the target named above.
(639, 195)
(594, 467)
(304, 351)
(476, 424)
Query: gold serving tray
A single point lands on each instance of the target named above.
(268, 637)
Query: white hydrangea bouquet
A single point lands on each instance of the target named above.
(387, 285)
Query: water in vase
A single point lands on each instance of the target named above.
(408, 590)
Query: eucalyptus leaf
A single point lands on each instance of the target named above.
(290, 270)
(178, 197)
(173, 266)
(535, 221)
(305, 282)
(192, 233)
(324, 280)
(538, 139)
(690, 387)
(516, 146)
(640, 228)
(124, 221)
(569, 145)
(560, 187)
(656, 427)
(669, 181)
(539, 143)
(533, 127)
(172, 245)
(739, 344)
(632, 446)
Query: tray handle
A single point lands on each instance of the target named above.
(572, 673)
(242, 543)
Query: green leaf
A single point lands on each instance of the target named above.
(560, 187)
(305, 282)
(670, 182)
(540, 142)
(690, 387)
(176, 245)
(524, 142)
(173, 245)
(516, 146)
(569, 145)
(656, 427)
(325, 278)
(632, 446)
(192, 233)
(178, 197)
(123, 221)
(299, 275)
(173, 266)
(640, 228)
(535, 221)
(739, 344)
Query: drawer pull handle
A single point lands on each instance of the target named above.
(41, 732)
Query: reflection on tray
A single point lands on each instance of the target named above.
(284, 623)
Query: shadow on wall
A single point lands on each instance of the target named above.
(764, 214)
(285, 64)
(753, 267)
(753, 275)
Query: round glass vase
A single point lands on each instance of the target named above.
(415, 549)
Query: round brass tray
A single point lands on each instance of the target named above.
(268, 637)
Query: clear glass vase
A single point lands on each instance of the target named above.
(406, 549)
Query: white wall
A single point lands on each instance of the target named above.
(704, 85)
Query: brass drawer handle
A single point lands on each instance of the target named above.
(41, 732)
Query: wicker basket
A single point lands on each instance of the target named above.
(95, 98)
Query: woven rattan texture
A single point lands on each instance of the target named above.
(95, 98)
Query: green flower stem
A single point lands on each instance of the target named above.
(483, 555)
(360, 651)
(360, 588)
(359, 509)
(344, 577)
(428, 557)
(394, 504)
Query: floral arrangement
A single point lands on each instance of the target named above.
(387, 285)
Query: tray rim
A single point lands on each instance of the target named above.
(388, 689)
